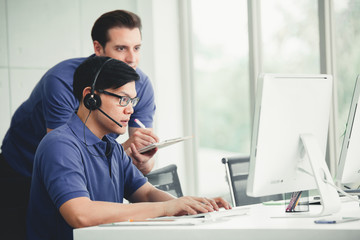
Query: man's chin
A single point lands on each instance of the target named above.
(121, 131)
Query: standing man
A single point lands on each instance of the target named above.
(81, 175)
(115, 34)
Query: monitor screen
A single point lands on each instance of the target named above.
(349, 163)
(289, 134)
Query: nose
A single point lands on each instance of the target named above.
(129, 109)
(130, 58)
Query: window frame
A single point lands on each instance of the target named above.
(327, 66)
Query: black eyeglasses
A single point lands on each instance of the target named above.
(124, 100)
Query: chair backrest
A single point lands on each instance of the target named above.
(166, 179)
(237, 171)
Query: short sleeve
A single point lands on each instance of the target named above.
(59, 102)
(62, 174)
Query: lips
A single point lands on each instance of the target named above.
(124, 122)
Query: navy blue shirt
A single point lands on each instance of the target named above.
(72, 162)
(50, 105)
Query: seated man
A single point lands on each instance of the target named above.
(81, 175)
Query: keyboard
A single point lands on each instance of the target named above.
(235, 211)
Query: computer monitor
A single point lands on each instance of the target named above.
(349, 163)
(289, 138)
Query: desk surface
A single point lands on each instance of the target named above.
(258, 224)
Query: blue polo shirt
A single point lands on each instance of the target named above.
(50, 105)
(72, 162)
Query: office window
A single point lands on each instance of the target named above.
(221, 82)
(347, 56)
(290, 36)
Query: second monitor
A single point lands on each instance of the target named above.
(349, 162)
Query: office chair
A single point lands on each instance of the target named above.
(237, 171)
(166, 179)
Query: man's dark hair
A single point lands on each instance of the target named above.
(113, 74)
(117, 18)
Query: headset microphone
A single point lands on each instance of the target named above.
(110, 117)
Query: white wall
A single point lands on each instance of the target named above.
(4, 72)
(37, 34)
(168, 82)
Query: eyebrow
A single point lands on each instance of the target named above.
(119, 45)
(126, 46)
(124, 93)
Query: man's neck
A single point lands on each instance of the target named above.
(85, 117)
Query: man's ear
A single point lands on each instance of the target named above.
(86, 91)
(98, 49)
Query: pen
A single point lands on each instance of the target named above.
(139, 123)
(333, 221)
(298, 195)
(295, 196)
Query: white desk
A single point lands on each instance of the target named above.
(258, 224)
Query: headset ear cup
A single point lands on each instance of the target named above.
(92, 102)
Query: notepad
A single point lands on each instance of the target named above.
(164, 143)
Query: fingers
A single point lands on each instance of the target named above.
(186, 205)
(141, 157)
(213, 204)
(154, 136)
(198, 205)
(144, 162)
(195, 205)
(143, 137)
(222, 203)
(216, 203)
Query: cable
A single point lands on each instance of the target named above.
(342, 191)
(333, 185)
(87, 146)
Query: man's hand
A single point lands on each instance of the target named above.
(138, 139)
(143, 161)
(193, 205)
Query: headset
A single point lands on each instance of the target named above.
(92, 101)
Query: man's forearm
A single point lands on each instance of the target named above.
(82, 212)
(145, 168)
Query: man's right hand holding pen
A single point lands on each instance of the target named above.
(139, 138)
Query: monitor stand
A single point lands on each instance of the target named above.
(329, 197)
